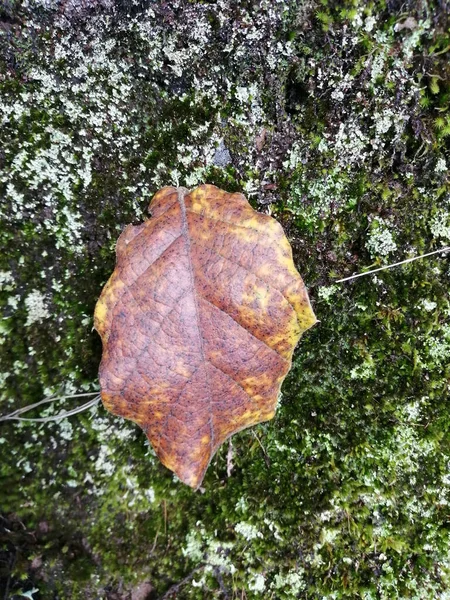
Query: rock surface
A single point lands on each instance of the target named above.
(335, 118)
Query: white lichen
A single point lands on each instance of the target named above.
(37, 311)
(440, 225)
(292, 582)
(247, 530)
(380, 241)
(257, 583)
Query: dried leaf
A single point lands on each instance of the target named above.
(199, 322)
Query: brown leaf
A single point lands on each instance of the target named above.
(199, 322)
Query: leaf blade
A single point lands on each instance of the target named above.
(199, 322)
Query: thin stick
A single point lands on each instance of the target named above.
(84, 394)
(63, 415)
(402, 262)
(14, 416)
(53, 398)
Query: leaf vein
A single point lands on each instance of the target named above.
(244, 328)
(235, 262)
